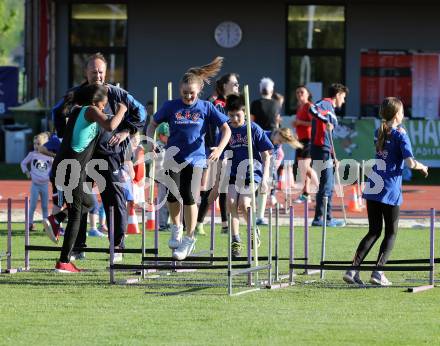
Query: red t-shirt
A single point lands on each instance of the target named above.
(304, 132)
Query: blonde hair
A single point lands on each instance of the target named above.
(288, 137)
(41, 137)
(388, 110)
(203, 74)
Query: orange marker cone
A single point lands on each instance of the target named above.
(353, 203)
(150, 218)
(132, 224)
(281, 182)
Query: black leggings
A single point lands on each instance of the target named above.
(377, 212)
(204, 206)
(77, 211)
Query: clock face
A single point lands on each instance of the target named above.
(228, 34)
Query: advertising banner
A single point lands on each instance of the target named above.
(354, 139)
(8, 88)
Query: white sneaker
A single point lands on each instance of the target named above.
(185, 248)
(379, 278)
(176, 236)
(117, 257)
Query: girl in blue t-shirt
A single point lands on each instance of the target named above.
(383, 191)
(279, 136)
(239, 195)
(188, 118)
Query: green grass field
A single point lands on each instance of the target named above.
(44, 308)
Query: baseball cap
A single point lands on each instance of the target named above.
(163, 129)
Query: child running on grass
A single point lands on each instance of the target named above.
(393, 150)
(40, 166)
(239, 194)
(278, 137)
(79, 143)
(225, 86)
(188, 118)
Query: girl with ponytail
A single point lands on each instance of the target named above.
(278, 137)
(384, 197)
(188, 118)
(224, 86)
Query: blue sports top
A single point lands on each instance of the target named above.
(238, 145)
(396, 149)
(84, 132)
(188, 126)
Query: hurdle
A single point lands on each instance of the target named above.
(279, 281)
(232, 268)
(28, 247)
(371, 265)
(8, 253)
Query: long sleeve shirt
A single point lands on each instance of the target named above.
(40, 166)
(322, 112)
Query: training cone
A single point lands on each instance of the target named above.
(132, 224)
(150, 224)
(353, 205)
(281, 182)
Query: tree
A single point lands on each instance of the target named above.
(11, 28)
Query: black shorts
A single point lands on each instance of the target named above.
(304, 153)
(184, 181)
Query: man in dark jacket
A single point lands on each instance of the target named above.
(111, 146)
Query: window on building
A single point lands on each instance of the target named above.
(99, 28)
(315, 49)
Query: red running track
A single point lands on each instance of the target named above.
(414, 197)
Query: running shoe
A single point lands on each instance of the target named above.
(317, 223)
(176, 236)
(117, 257)
(95, 233)
(185, 248)
(52, 228)
(352, 277)
(77, 256)
(302, 199)
(224, 230)
(379, 278)
(236, 249)
(68, 268)
(261, 221)
(335, 223)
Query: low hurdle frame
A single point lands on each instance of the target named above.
(370, 265)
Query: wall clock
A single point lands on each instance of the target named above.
(228, 34)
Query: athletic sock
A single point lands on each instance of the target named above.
(261, 200)
(236, 238)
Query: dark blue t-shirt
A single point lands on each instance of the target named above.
(238, 145)
(53, 144)
(188, 126)
(396, 149)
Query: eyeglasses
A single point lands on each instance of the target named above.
(235, 84)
